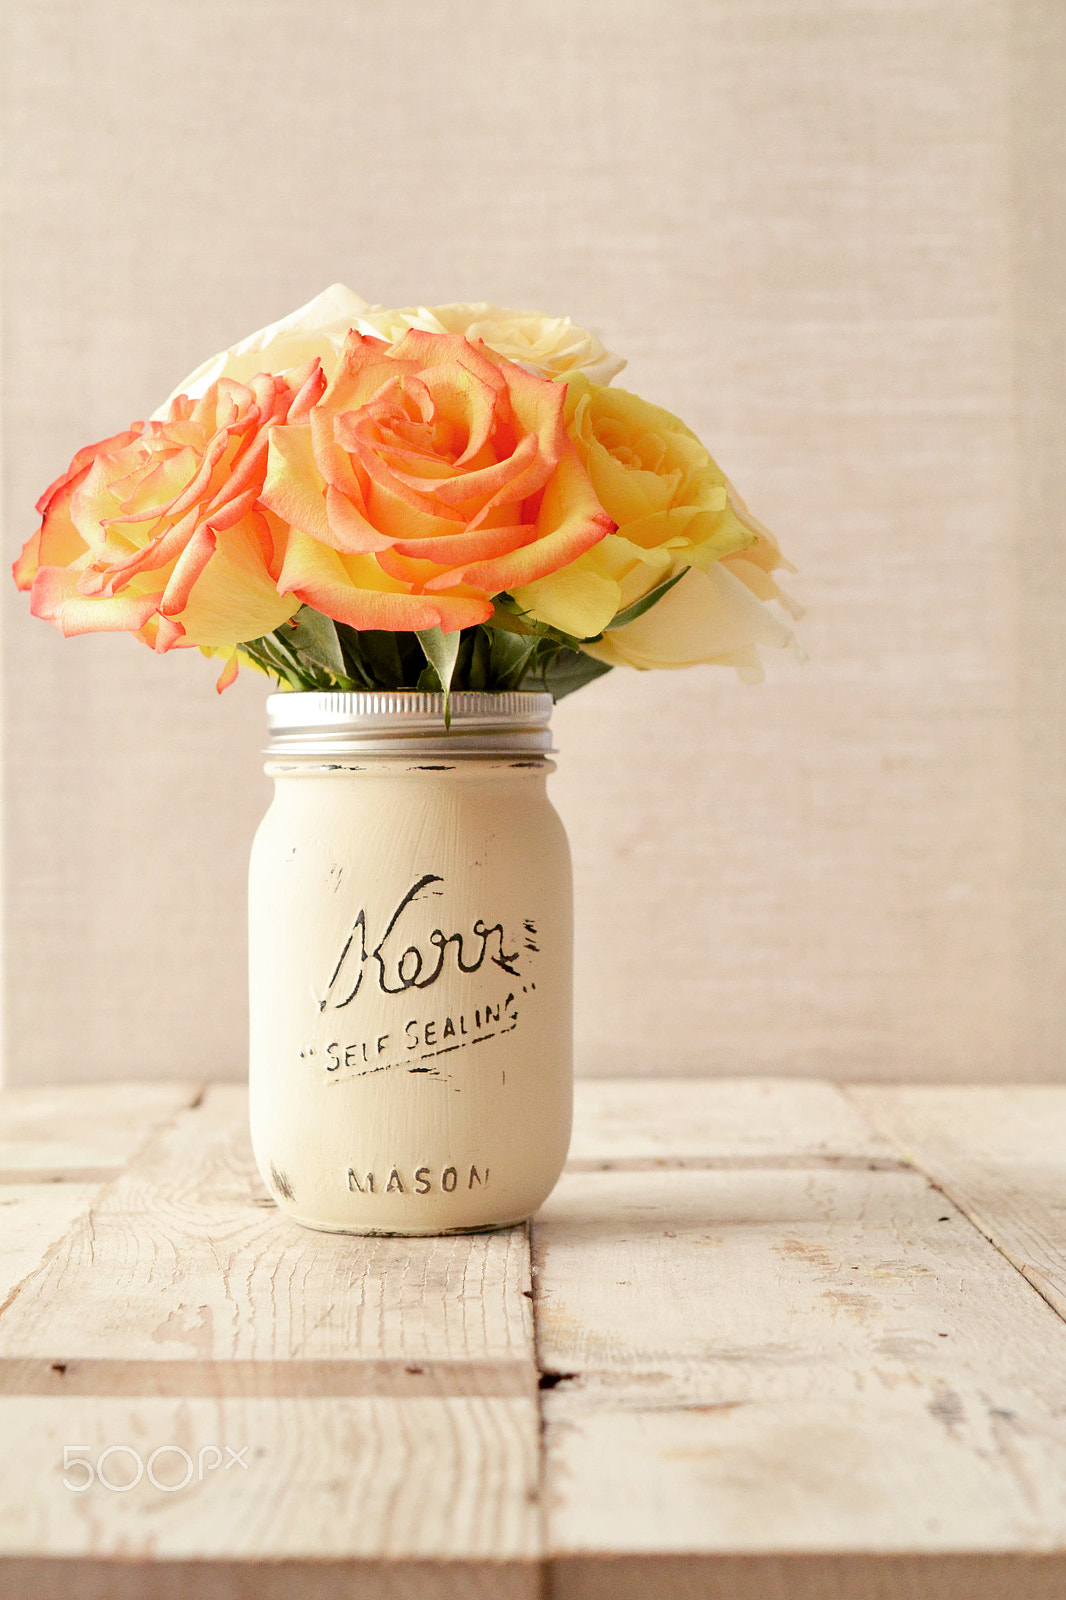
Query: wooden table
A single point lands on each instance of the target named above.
(770, 1340)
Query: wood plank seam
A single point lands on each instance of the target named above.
(108, 1176)
(810, 1161)
(16, 1172)
(945, 1187)
(295, 1378)
(545, 1566)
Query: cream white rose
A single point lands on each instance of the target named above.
(553, 346)
(317, 329)
(712, 618)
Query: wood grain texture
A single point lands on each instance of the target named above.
(56, 1149)
(186, 1258)
(34, 1217)
(83, 1130)
(1000, 1153)
(382, 1393)
(333, 1479)
(783, 1381)
(723, 1121)
(777, 1362)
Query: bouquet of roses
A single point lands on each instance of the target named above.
(445, 498)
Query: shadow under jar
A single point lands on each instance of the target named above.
(410, 940)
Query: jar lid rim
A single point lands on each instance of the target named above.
(406, 708)
(303, 720)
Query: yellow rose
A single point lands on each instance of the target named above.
(554, 346)
(675, 509)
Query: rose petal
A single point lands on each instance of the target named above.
(187, 569)
(55, 597)
(228, 674)
(354, 590)
(570, 521)
(707, 618)
(476, 544)
(293, 486)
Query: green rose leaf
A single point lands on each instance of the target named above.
(442, 652)
(314, 637)
(566, 670)
(510, 657)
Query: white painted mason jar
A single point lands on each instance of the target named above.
(410, 963)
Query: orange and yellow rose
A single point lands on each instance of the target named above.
(431, 475)
(160, 531)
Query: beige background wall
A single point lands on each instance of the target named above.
(829, 233)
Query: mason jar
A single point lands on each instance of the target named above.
(411, 963)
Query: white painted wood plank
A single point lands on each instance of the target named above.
(244, 1480)
(729, 1121)
(82, 1130)
(1000, 1152)
(186, 1259)
(791, 1378)
(386, 1388)
(791, 1362)
(33, 1217)
(57, 1146)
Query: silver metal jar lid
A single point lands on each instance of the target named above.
(406, 721)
